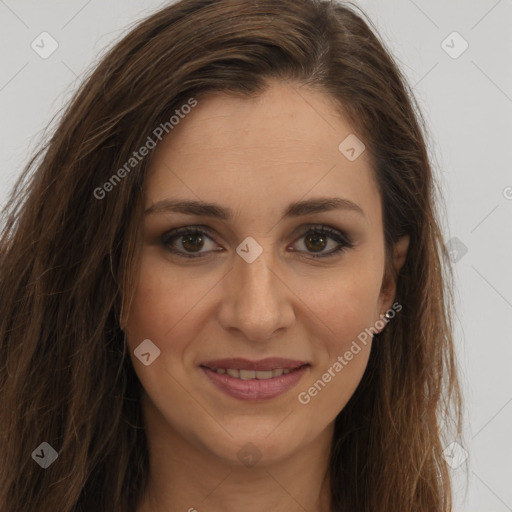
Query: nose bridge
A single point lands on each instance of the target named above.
(257, 291)
(256, 301)
(258, 281)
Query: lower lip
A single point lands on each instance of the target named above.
(255, 389)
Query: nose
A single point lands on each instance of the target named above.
(256, 300)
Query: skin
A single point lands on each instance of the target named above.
(254, 156)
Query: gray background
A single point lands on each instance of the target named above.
(467, 102)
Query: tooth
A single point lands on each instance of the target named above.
(253, 374)
(247, 374)
(264, 374)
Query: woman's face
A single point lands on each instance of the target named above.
(257, 284)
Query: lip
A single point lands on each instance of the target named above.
(239, 363)
(255, 389)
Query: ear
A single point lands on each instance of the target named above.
(388, 288)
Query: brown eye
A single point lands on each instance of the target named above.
(316, 242)
(192, 243)
(318, 238)
(187, 241)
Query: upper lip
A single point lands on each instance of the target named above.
(270, 363)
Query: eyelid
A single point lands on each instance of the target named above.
(340, 236)
(184, 230)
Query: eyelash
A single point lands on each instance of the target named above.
(338, 236)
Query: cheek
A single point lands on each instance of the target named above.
(163, 312)
(344, 312)
(343, 303)
(164, 299)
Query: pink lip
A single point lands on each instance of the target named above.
(254, 389)
(238, 363)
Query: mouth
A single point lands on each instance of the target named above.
(254, 380)
(253, 374)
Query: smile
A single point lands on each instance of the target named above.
(253, 374)
(255, 385)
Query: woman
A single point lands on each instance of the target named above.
(223, 284)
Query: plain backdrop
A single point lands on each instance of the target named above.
(463, 82)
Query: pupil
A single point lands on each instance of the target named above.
(318, 242)
(189, 241)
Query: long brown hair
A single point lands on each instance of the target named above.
(68, 260)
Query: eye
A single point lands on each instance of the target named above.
(192, 240)
(316, 239)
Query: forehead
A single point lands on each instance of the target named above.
(279, 146)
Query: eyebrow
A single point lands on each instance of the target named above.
(297, 209)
